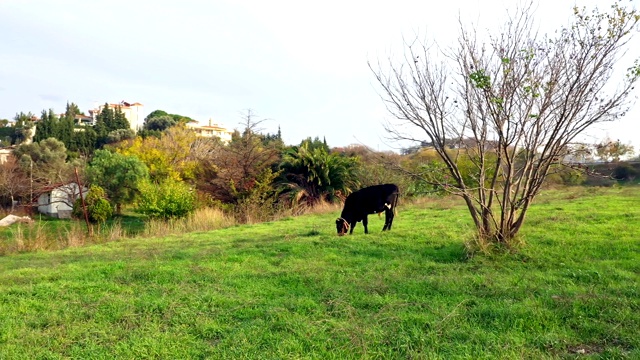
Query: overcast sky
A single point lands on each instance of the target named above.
(300, 64)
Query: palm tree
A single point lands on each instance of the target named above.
(314, 175)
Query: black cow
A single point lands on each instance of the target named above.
(370, 200)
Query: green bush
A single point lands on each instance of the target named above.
(432, 172)
(625, 172)
(100, 211)
(168, 199)
(259, 203)
(564, 175)
(98, 207)
(7, 132)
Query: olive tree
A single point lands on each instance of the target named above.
(119, 175)
(511, 105)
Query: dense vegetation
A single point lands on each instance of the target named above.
(255, 177)
(292, 289)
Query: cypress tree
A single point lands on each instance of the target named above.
(46, 127)
(103, 122)
(72, 110)
(119, 120)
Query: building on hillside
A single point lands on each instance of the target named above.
(5, 153)
(83, 120)
(211, 130)
(80, 121)
(57, 200)
(31, 133)
(132, 111)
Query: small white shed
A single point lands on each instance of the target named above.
(57, 200)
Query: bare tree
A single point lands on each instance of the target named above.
(232, 171)
(14, 183)
(510, 106)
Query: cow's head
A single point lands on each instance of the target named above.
(342, 226)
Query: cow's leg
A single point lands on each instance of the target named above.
(353, 225)
(388, 219)
(365, 222)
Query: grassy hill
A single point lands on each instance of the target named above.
(293, 289)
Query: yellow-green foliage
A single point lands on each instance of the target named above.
(433, 169)
(167, 157)
(168, 199)
(564, 175)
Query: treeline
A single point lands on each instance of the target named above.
(165, 171)
(80, 140)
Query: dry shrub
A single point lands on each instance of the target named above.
(15, 243)
(38, 236)
(248, 211)
(77, 235)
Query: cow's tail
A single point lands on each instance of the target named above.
(395, 204)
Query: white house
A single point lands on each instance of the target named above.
(132, 111)
(211, 130)
(57, 200)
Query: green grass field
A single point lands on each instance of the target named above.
(292, 289)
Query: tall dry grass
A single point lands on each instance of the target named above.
(203, 219)
(321, 207)
(115, 232)
(75, 236)
(32, 237)
(42, 236)
(37, 237)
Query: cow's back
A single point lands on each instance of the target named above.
(370, 199)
